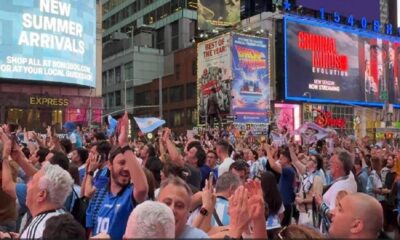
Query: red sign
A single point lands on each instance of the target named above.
(323, 51)
(325, 119)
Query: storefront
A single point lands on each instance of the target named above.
(35, 112)
(338, 117)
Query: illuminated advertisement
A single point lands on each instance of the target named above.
(214, 71)
(250, 87)
(331, 63)
(217, 13)
(48, 40)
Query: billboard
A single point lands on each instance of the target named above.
(250, 87)
(48, 40)
(332, 63)
(217, 13)
(214, 71)
(358, 8)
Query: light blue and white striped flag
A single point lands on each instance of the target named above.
(149, 124)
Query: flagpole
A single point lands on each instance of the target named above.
(130, 108)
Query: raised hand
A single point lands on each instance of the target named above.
(238, 212)
(123, 135)
(256, 199)
(208, 195)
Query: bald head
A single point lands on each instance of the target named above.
(369, 210)
(357, 215)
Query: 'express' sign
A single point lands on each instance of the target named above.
(48, 101)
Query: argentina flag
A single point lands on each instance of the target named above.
(149, 124)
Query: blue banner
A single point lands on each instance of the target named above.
(250, 87)
(48, 40)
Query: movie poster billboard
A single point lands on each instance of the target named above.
(250, 87)
(48, 40)
(217, 13)
(332, 63)
(214, 71)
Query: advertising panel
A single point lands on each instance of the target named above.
(214, 71)
(217, 13)
(332, 63)
(48, 40)
(250, 87)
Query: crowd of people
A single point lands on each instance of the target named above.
(214, 185)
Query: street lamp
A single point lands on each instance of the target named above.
(133, 72)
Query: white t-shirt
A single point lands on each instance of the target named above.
(224, 167)
(349, 184)
(38, 224)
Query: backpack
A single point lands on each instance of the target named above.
(79, 208)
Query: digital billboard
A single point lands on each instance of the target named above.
(217, 13)
(325, 62)
(358, 8)
(250, 87)
(48, 40)
(214, 71)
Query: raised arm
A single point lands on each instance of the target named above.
(270, 153)
(172, 151)
(295, 160)
(7, 183)
(138, 177)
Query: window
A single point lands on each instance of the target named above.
(177, 71)
(118, 74)
(111, 100)
(191, 90)
(118, 98)
(176, 94)
(194, 67)
(143, 98)
(175, 35)
(104, 79)
(129, 96)
(160, 38)
(156, 97)
(128, 71)
(176, 118)
(165, 95)
(191, 117)
(104, 101)
(111, 77)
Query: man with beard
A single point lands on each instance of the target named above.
(128, 187)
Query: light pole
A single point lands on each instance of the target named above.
(133, 72)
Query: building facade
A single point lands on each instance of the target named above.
(178, 101)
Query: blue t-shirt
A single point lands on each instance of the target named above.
(190, 232)
(21, 190)
(286, 185)
(82, 173)
(114, 213)
(221, 207)
(101, 178)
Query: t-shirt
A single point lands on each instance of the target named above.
(194, 178)
(348, 184)
(82, 172)
(225, 165)
(374, 182)
(221, 207)
(273, 221)
(114, 213)
(286, 185)
(191, 232)
(36, 227)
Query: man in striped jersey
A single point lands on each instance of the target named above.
(46, 194)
